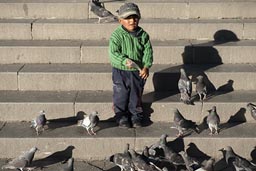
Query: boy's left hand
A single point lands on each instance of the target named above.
(144, 73)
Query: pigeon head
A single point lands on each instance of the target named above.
(33, 149)
(163, 139)
(200, 78)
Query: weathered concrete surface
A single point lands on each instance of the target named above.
(149, 9)
(71, 140)
(25, 105)
(68, 77)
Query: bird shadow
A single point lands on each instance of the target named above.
(194, 151)
(224, 89)
(177, 144)
(203, 125)
(234, 120)
(56, 157)
(65, 122)
(253, 155)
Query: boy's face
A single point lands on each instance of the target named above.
(130, 23)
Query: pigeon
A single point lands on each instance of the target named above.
(213, 121)
(209, 166)
(173, 157)
(23, 161)
(39, 122)
(190, 162)
(185, 87)
(201, 88)
(123, 160)
(70, 165)
(101, 12)
(239, 163)
(141, 164)
(252, 109)
(182, 124)
(89, 122)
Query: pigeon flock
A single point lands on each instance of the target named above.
(166, 158)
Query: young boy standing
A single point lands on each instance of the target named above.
(131, 56)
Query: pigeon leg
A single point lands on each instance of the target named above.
(200, 97)
(88, 131)
(93, 131)
(37, 131)
(216, 130)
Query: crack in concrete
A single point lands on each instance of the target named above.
(3, 125)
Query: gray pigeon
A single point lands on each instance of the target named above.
(185, 87)
(190, 162)
(239, 163)
(209, 166)
(153, 148)
(141, 164)
(252, 109)
(172, 157)
(213, 121)
(123, 160)
(182, 124)
(39, 122)
(101, 12)
(70, 165)
(89, 122)
(201, 88)
(23, 161)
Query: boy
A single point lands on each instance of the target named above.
(131, 56)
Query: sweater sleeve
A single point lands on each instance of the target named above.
(147, 59)
(116, 56)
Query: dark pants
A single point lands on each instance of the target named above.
(128, 88)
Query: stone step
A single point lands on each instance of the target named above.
(68, 77)
(159, 29)
(165, 52)
(25, 105)
(96, 165)
(111, 139)
(69, 9)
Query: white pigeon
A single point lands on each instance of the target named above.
(39, 122)
(23, 161)
(89, 122)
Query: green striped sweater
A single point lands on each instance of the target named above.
(123, 45)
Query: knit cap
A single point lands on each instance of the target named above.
(128, 9)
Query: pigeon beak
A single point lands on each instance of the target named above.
(222, 149)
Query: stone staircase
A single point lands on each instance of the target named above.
(53, 57)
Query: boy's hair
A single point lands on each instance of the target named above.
(128, 9)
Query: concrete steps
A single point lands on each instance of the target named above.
(25, 105)
(111, 139)
(68, 9)
(165, 52)
(89, 29)
(53, 57)
(68, 77)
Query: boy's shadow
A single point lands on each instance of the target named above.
(57, 157)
